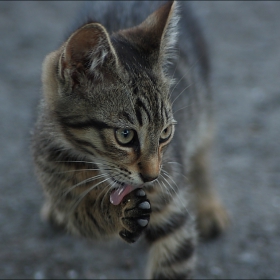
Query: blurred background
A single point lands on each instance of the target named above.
(244, 43)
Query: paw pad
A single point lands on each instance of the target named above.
(142, 222)
(144, 205)
(140, 192)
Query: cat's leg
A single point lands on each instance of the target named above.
(172, 239)
(212, 218)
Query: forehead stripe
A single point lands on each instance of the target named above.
(139, 108)
(139, 116)
(84, 124)
(128, 117)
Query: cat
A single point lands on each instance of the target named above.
(124, 130)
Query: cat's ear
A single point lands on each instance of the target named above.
(88, 51)
(157, 35)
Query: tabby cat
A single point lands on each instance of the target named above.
(122, 139)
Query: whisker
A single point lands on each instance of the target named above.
(187, 72)
(174, 162)
(81, 161)
(181, 93)
(159, 183)
(181, 109)
(81, 197)
(84, 182)
(175, 192)
(170, 186)
(169, 177)
(177, 83)
(77, 170)
(167, 190)
(75, 161)
(109, 166)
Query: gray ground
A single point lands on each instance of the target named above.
(245, 45)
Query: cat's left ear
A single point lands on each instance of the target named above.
(157, 35)
(87, 51)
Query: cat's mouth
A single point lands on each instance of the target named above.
(120, 192)
(117, 195)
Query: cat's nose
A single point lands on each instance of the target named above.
(147, 178)
(149, 168)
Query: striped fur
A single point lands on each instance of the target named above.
(99, 87)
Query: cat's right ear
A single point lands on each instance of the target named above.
(88, 52)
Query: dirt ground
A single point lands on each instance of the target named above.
(245, 51)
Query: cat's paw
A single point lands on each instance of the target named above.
(49, 214)
(136, 211)
(212, 219)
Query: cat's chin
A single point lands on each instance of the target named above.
(118, 194)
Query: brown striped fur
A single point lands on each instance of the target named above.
(100, 83)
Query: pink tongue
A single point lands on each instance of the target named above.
(117, 196)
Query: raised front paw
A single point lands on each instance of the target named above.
(136, 211)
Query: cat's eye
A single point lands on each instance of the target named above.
(166, 133)
(124, 135)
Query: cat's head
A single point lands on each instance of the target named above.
(110, 94)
